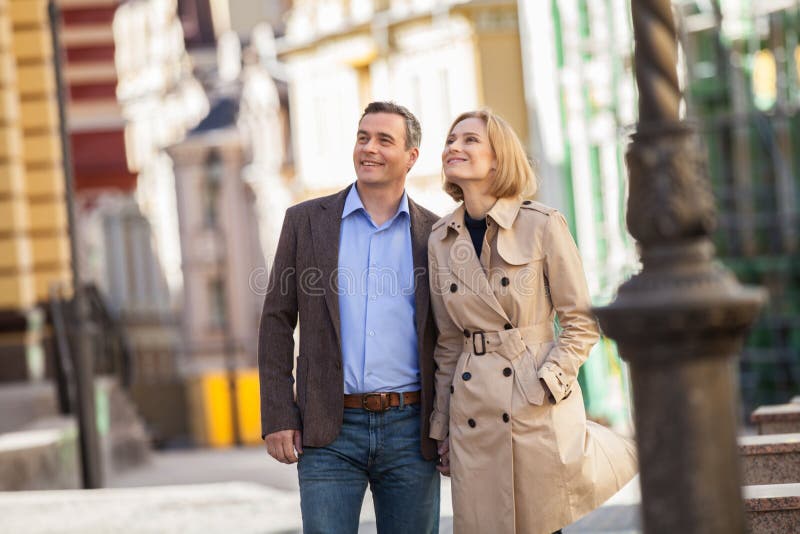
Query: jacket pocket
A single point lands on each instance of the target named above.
(526, 372)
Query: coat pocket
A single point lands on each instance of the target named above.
(526, 372)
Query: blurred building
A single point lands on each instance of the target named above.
(581, 105)
(230, 194)
(94, 116)
(204, 130)
(36, 273)
(136, 236)
(34, 242)
(438, 58)
(743, 81)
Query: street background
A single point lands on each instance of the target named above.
(150, 148)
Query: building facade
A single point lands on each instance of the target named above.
(743, 84)
(438, 58)
(581, 105)
(34, 241)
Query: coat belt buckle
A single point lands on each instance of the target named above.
(483, 343)
(384, 397)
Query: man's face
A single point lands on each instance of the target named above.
(380, 156)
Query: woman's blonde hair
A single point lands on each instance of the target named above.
(514, 174)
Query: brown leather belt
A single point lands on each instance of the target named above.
(380, 401)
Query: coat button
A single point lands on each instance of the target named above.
(466, 376)
(506, 418)
(466, 333)
(452, 389)
(507, 371)
(504, 281)
(453, 288)
(471, 423)
(507, 326)
(526, 202)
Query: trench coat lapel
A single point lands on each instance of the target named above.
(326, 223)
(466, 266)
(420, 229)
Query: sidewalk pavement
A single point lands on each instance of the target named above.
(220, 491)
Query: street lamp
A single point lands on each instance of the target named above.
(680, 321)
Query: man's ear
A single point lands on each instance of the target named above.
(412, 159)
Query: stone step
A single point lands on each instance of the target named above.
(777, 419)
(40, 456)
(126, 443)
(23, 402)
(770, 459)
(773, 508)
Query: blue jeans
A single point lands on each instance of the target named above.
(379, 449)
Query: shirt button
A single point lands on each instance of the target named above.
(507, 326)
(526, 202)
(466, 376)
(506, 418)
(453, 288)
(373, 298)
(504, 281)
(507, 371)
(466, 333)
(471, 423)
(371, 333)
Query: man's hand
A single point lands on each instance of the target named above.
(283, 444)
(444, 457)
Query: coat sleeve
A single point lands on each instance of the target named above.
(569, 295)
(448, 348)
(279, 410)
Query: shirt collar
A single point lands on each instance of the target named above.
(353, 203)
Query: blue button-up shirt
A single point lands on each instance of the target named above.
(376, 300)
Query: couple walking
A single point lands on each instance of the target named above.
(427, 345)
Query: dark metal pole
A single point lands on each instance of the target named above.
(84, 360)
(681, 321)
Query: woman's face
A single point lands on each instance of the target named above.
(467, 153)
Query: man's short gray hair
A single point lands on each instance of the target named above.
(413, 130)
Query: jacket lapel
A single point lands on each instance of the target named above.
(420, 229)
(326, 223)
(466, 266)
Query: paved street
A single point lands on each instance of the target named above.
(209, 491)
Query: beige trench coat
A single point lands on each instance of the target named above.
(523, 460)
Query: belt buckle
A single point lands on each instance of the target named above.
(483, 343)
(384, 401)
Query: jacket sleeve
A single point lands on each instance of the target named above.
(569, 294)
(279, 410)
(448, 348)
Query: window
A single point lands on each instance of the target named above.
(211, 189)
(216, 302)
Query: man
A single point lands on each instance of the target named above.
(354, 267)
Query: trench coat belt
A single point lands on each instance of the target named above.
(507, 343)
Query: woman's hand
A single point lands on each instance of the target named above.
(444, 457)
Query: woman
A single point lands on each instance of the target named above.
(509, 411)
